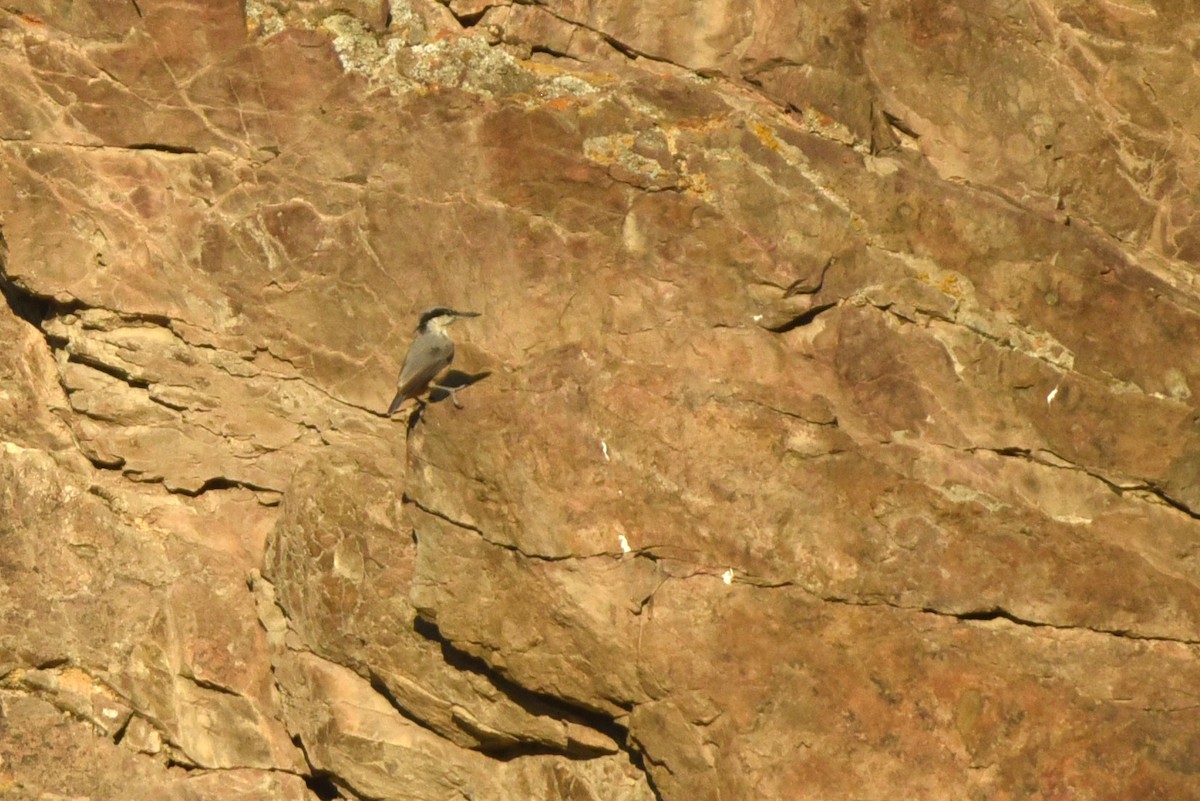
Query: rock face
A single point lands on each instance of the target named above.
(830, 430)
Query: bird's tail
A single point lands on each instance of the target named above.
(396, 403)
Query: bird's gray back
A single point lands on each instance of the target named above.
(427, 357)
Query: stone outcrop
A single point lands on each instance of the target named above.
(830, 428)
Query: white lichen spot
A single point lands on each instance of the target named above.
(1073, 520)
(469, 63)
(618, 149)
(571, 85)
(624, 543)
(355, 44)
(407, 24)
(261, 19)
(111, 714)
(1053, 394)
(960, 493)
(727, 576)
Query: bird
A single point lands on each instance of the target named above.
(430, 353)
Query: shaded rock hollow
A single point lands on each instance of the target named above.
(837, 436)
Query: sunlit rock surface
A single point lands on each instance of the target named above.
(829, 428)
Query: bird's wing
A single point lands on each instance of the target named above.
(423, 363)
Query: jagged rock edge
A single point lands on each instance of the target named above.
(597, 720)
(172, 754)
(531, 701)
(35, 309)
(1117, 488)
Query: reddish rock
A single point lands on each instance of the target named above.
(828, 427)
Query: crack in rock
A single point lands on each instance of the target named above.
(1065, 464)
(506, 546)
(994, 613)
(998, 613)
(570, 716)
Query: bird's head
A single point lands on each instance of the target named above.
(439, 317)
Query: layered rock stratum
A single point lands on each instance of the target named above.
(830, 433)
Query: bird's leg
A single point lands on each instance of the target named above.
(452, 392)
(414, 417)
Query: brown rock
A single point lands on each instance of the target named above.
(342, 573)
(49, 753)
(375, 752)
(829, 424)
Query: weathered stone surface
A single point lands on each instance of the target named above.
(831, 429)
(46, 752)
(343, 577)
(118, 613)
(358, 737)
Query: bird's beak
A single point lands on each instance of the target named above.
(467, 314)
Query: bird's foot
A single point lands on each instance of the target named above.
(452, 392)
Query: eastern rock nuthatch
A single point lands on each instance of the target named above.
(430, 353)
